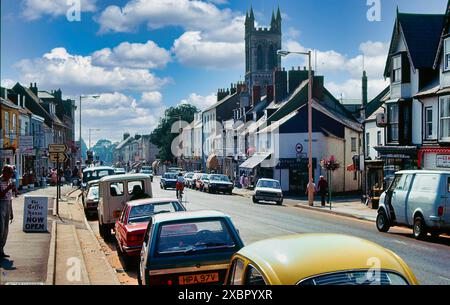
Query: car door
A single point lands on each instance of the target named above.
(116, 200)
(144, 253)
(120, 226)
(447, 201)
(400, 196)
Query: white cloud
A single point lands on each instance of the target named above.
(352, 88)
(213, 38)
(191, 49)
(153, 99)
(190, 15)
(199, 101)
(77, 74)
(116, 113)
(133, 55)
(35, 9)
(8, 83)
(333, 63)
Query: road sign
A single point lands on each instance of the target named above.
(299, 148)
(58, 157)
(57, 148)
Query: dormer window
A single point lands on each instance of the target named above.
(447, 54)
(397, 69)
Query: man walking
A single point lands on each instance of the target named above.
(323, 189)
(6, 188)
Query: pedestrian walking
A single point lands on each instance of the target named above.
(322, 188)
(6, 214)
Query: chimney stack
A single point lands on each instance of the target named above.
(256, 95)
(280, 85)
(269, 93)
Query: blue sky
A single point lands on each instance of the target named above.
(164, 52)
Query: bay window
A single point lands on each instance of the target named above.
(393, 123)
(397, 69)
(428, 123)
(444, 119)
(447, 54)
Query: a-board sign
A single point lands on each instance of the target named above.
(35, 211)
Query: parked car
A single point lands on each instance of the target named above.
(218, 184)
(418, 199)
(317, 259)
(119, 171)
(195, 178)
(85, 190)
(90, 204)
(188, 248)
(131, 226)
(148, 171)
(114, 192)
(174, 170)
(268, 190)
(199, 184)
(188, 178)
(168, 180)
(95, 173)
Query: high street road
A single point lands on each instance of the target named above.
(429, 260)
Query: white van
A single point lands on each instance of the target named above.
(114, 192)
(419, 199)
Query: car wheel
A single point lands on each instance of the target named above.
(382, 221)
(419, 228)
(254, 200)
(280, 202)
(105, 232)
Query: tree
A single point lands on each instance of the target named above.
(162, 136)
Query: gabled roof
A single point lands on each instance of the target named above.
(217, 104)
(124, 142)
(445, 29)
(422, 33)
(376, 103)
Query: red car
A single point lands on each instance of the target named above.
(131, 226)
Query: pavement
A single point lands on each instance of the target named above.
(345, 206)
(29, 251)
(68, 254)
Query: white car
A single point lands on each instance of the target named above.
(268, 190)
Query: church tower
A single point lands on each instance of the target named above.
(261, 46)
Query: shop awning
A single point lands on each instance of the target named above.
(254, 161)
(212, 162)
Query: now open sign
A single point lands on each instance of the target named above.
(35, 214)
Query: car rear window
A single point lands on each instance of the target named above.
(142, 213)
(222, 178)
(367, 277)
(269, 184)
(93, 192)
(170, 176)
(194, 236)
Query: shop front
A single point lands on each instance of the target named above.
(434, 158)
(397, 158)
(293, 174)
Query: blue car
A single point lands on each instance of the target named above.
(188, 248)
(169, 180)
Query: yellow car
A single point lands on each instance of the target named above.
(317, 259)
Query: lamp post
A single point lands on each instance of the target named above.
(310, 87)
(81, 154)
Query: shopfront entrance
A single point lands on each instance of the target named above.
(298, 174)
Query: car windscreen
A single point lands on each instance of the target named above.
(369, 277)
(96, 174)
(269, 184)
(194, 236)
(142, 213)
(220, 178)
(93, 193)
(170, 176)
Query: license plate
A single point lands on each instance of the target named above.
(198, 278)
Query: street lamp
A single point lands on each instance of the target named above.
(310, 163)
(81, 155)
